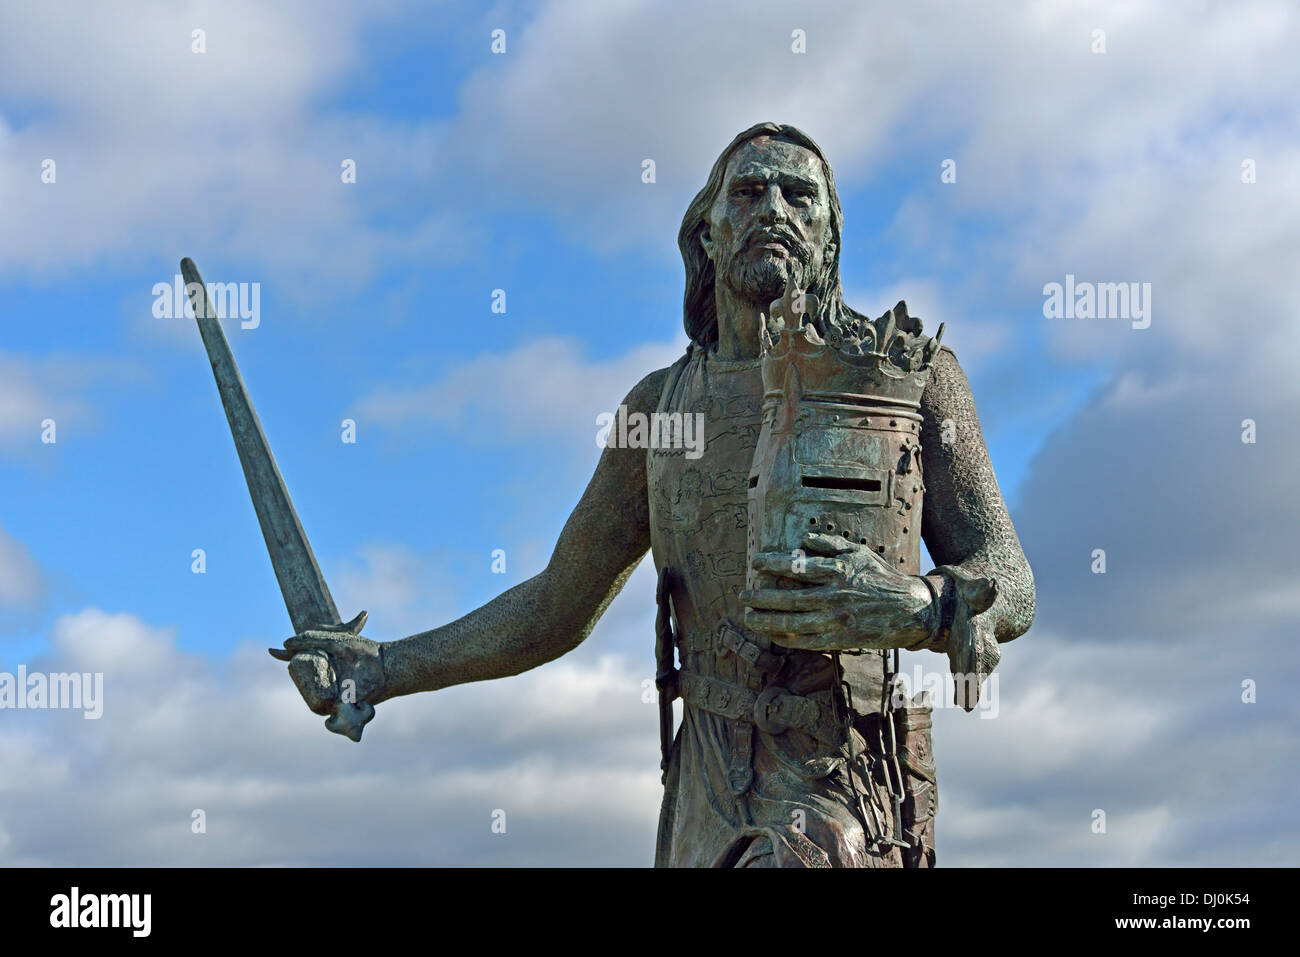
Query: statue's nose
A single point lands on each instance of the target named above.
(772, 208)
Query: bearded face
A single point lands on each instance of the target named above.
(770, 222)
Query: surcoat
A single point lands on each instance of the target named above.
(740, 792)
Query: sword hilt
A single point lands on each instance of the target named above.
(350, 719)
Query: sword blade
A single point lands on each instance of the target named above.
(306, 595)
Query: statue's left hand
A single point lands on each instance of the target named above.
(847, 597)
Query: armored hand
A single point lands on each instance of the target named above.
(839, 595)
(338, 673)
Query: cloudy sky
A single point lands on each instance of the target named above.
(1162, 150)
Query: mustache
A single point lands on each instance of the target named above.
(769, 234)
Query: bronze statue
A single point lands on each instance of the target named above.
(788, 552)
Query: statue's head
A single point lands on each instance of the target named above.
(769, 212)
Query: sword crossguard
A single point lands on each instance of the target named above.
(352, 627)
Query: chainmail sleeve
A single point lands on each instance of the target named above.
(965, 523)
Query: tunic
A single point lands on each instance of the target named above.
(800, 807)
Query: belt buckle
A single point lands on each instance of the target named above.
(762, 708)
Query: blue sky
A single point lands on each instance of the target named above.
(522, 172)
(117, 507)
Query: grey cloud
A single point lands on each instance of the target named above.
(182, 732)
(1198, 527)
(1155, 735)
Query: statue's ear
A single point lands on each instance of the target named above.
(706, 240)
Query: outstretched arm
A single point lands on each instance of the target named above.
(550, 614)
(965, 522)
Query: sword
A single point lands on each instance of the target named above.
(306, 596)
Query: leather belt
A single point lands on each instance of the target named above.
(740, 770)
(755, 654)
(774, 709)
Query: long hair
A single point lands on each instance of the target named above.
(699, 307)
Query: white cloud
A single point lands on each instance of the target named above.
(165, 152)
(568, 751)
(26, 399)
(562, 123)
(60, 387)
(974, 338)
(541, 391)
(403, 591)
(22, 582)
(1116, 166)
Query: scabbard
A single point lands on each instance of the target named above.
(916, 756)
(666, 668)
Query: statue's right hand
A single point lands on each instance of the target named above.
(329, 667)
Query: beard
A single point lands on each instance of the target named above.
(757, 275)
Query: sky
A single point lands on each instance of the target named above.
(1133, 142)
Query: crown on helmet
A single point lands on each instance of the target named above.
(885, 359)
